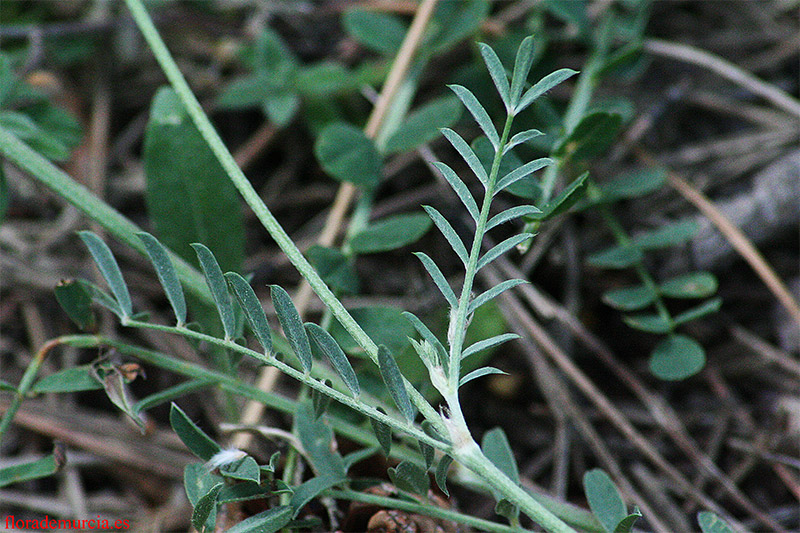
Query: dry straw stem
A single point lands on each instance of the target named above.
(269, 375)
(736, 238)
(725, 69)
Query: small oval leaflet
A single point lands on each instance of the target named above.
(328, 345)
(219, 289)
(394, 382)
(165, 271)
(292, 326)
(252, 309)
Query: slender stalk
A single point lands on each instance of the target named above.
(250, 196)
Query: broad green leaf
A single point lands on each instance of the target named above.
(242, 492)
(706, 308)
(711, 523)
(496, 448)
(334, 267)
(268, 521)
(218, 287)
(692, 285)
(75, 298)
(245, 469)
(394, 382)
(497, 72)
(380, 32)
(604, 499)
(511, 214)
(79, 378)
(325, 79)
(630, 298)
(441, 473)
(197, 481)
(310, 490)
(522, 67)
(616, 257)
(245, 91)
(292, 326)
(488, 343)
(167, 275)
(592, 136)
(410, 477)
(449, 233)
(456, 21)
(542, 86)
(317, 440)
(493, 292)
(192, 436)
(346, 154)
(327, 345)
(632, 184)
(480, 372)
(677, 357)
(467, 154)
(205, 505)
(522, 172)
(520, 138)
(251, 306)
(566, 198)
(438, 279)
(501, 248)
(669, 235)
(390, 233)
(478, 113)
(460, 188)
(281, 106)
(188, 196)
(649, 323)
(110, 270)
(383, 433)
(423, 124)
(44, 467)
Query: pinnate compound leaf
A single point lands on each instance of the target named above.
(522, 67)
(478, 112)
(629, 298)
(249, 303)
(604, 499)
(75, 298)
(268, 521)
(478, 373)
(380, 32)
(205, 505)
(167, 275)
(390, 233)
(346, 154)
(310, 490)
(711, 523)
(522, 172)
(706, 308)
(393, 379)
(649, 323)
(488, 343)
(189, 198)
(501, 248)
(110, 270)
(511, 214)
(497, 72)
(467, 154)
(669, 235)
(438, 279)
(460, 188)
(383, 433)
(493, 292)
(441, 473)
(692, 285)
(449, 233)
(327, 345)
(292, 326)
(192, 436)
(410, 477)
(423, 124)
(542, 86)
(617, 257)
(677, 357)
(219, 289)
(521, 137)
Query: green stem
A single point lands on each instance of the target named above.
(422, 509)
(250, 196)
